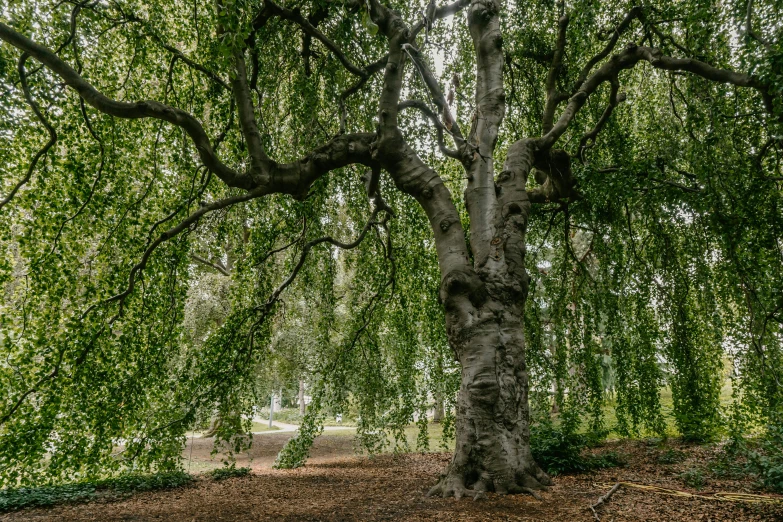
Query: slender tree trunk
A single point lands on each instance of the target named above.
(301, 397)
(438, 413)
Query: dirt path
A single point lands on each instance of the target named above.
(283, 427)
(336, 487)
(266, 445)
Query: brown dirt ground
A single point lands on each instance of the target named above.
(337, 486)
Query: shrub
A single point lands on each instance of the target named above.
(671, 456)
(559, 451)
(693, 478)
(608, 459)
(20, 498)
(229, 472)
(767, 461)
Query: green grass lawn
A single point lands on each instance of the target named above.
(292, 416)
(258, 427)
(667, 409)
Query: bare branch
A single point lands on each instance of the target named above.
(440, 12)
(604, 499)
(210, 264)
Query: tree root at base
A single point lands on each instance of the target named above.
(454, 485)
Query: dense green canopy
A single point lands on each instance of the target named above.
(146, 287)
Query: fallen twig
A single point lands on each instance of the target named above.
(604, 499)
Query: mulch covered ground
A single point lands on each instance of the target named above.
(335, 486)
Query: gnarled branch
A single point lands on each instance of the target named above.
(129, 110)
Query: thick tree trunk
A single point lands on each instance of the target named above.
(492, 450)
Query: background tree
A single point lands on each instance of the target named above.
(655, 128)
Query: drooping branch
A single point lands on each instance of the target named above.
(373, 68)
(38, 114)
(132, 17)
(294, 15)
(634, 13)
(749, 28)
(439, 128)
(615, 98)
(319, 14)
(129, 110)
(629, 58)
(174, 231)
(307, 247)
(95, 182)
(553, 96)
(436, 93)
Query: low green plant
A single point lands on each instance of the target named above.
(559, 450)
(229, 472)
(767, 460)
(693, 478)
(20, 498)
(608, 459)
(671, 456)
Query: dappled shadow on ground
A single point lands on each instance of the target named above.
(337, 488)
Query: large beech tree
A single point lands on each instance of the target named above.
(143, 137)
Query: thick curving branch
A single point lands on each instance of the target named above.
(247, 116)
(129, 110)
(480, 195)
(633, 14)
(411, 175)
